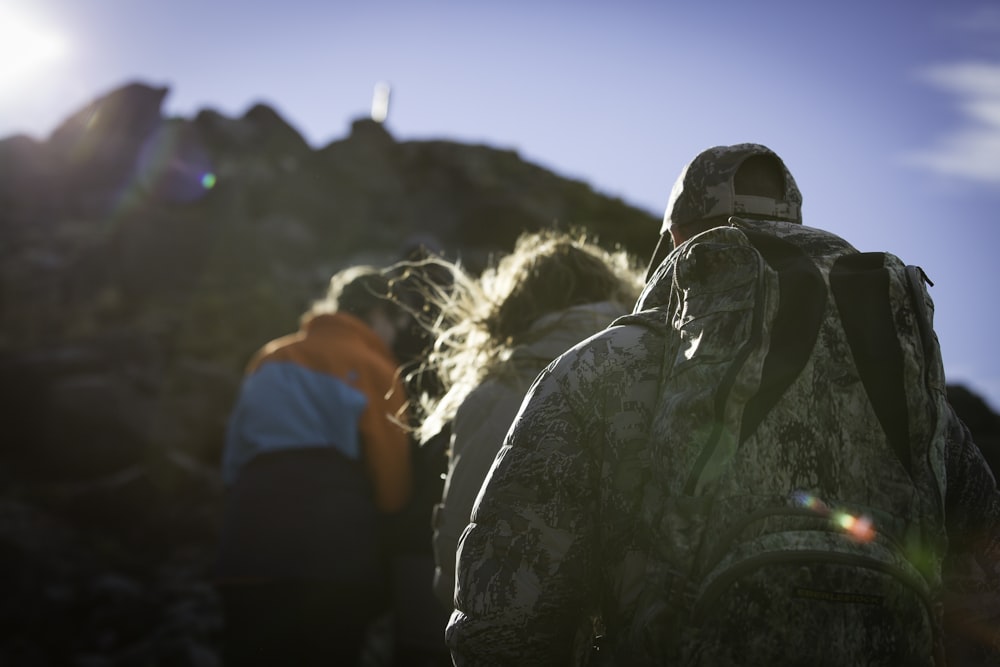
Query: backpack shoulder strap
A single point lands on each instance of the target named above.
(796, 326)
(860, 286)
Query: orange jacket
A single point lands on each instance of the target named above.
(344, 382)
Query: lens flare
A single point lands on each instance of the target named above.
(810, 502)
(859, 528)
(173, 165)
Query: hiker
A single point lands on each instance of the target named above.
(414, 635)
(758, 466)
(496, 332)
(316, 456)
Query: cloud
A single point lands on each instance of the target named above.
(972, 150)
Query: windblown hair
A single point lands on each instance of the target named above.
(356, 290)
(481, 320)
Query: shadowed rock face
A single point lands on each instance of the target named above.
(142, 261)
(145, 258)
(982, 421)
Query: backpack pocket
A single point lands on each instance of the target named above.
(812, 597)
(716, 288)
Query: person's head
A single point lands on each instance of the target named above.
(745, 180)
(418, 269)
(547, 272)
(361, 291)
(479, 320)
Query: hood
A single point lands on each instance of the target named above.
(554, 333)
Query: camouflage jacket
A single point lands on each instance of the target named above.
(557, 549)
(484, 417)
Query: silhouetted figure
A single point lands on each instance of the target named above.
(314, 460)
(495, 333)
(417, 618)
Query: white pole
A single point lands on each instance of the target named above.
(380, 102)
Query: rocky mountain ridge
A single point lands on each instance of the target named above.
(142, 260)
(171, 248)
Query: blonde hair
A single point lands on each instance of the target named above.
(479, 321)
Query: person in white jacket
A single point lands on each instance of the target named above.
(495, 334)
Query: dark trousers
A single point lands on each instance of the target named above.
(294, 623)
(420, 618)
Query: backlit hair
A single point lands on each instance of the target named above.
(481, 320)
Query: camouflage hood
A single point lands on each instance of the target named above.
(706, 189)
(709, 187)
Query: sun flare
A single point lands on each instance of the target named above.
(27, 47)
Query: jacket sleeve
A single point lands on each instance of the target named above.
(972, 502)
(386, 442)
(971, 573)
(525, 561)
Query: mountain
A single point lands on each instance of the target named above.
(165, 250)
(143, 259)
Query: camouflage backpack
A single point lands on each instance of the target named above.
(796, 509)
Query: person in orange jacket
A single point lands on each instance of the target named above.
(316, 456)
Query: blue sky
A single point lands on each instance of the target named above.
(888, 113)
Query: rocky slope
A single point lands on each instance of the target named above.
(142, 260)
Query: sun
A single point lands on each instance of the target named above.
(27, 47)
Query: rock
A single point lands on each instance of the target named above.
(983, 423)
(96, 147)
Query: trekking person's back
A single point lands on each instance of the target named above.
(756, 467)
(314, 464)
(795, 498)
(495, 332)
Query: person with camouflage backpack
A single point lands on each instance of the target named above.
(758, 466)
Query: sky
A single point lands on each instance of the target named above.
(887, 113)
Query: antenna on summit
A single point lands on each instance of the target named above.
(380, 102)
